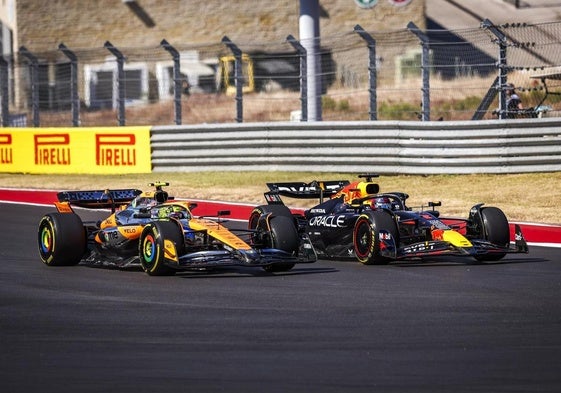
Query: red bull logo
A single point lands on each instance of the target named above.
(52, 149)
(115, 149)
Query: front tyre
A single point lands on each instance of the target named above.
(366, 237)
(283, 236)
(152, 250)
(61, 239)
(495, 230)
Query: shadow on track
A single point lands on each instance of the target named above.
(251, 272)
(218, 272)
(461, 261)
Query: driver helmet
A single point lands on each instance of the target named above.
(173, 211)
(382, 203)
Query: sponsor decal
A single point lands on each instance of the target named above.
(130, 232)
(52, 149)
(384, 235)
(437, 234)
(6, 152)
(419, 247)
(304, 189)
(115, 149)
(110, 235)
(71, 150)
(273, 198)
(328, 221)
(438, 224)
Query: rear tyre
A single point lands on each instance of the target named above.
(366, 237)
(276, 210)
(495, 230)
(283, 236)
(61, 239)
(151, 247)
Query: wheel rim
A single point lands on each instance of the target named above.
(46, 240)
(363, 239)
(149, 249)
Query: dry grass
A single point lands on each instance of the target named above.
(523, 197)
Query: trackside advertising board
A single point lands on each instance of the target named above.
(107, 150)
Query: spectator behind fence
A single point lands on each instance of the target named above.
(513, 102)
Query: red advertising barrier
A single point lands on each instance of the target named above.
(539, 234)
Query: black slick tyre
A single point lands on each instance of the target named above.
(495, 230)
(275, 210)
(366, 237)
(283, 236)
(61, 239)
(151, 246)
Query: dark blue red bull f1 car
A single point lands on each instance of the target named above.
(355, 220)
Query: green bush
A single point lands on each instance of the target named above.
(398, 111)
(328, 103)
(344, 106)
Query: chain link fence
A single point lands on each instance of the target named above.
(389, 75)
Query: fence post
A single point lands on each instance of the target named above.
(4, 93)
(120, 81)
(372, 73)
(74, 99)
(34, 83)
(238, 76)
(425, 67)
(310, 39)
(303, 75)
(486, 101)
(502, 65)
(177, 80)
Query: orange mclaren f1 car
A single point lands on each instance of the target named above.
(163, 236)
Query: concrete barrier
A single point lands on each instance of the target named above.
(385, 147)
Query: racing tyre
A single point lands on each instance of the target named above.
(276, 210)
(495, 230)
(61, 239)
(366, 237)
(152, 246)
(283, 236)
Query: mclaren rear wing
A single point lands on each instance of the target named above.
(301, 190)
(99, 199)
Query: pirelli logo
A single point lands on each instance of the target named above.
(87, 150)
(6, 150)
(115, 149)
(52, 149)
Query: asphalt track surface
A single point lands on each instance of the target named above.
(446, 325)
